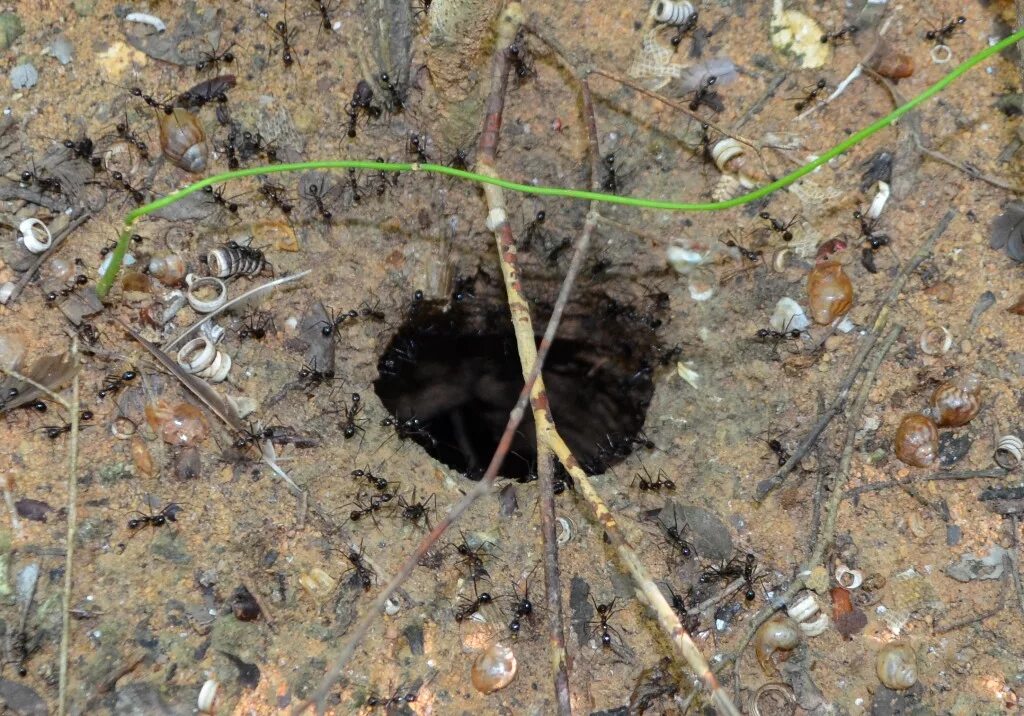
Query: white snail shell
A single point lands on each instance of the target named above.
(849, 579)
(207, 696)
(201, 358)
(724, 151)
(817, 626)
(673, 13)
(203, 305)
(896, 666)
(935, 340)
(806, 612)
(34, 235)
(1009, 452)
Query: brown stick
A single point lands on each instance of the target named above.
(71, 535)
(552, 581)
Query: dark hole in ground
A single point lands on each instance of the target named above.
(450, 377)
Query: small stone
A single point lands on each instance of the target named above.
(24, 76)
(10, 29)
(818, 580)
(953, 448)
(973, 567)
(953, 535)
(61, 49)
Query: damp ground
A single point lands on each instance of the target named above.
(424, 370)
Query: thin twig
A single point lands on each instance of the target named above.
(769, 92)
(72, 528)
(823, 539)
(996, 472)
(1015, 561)
(552, 581)
(38, 386)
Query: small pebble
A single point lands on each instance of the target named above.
(953, 535)
(953, 448)
(24, 76)
(61, 49)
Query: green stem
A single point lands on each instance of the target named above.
(107, 280)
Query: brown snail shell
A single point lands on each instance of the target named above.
(183, 140)
(829, 292)
(956, 402)
(917, 441)
(891, 63)
(169, 270)
(778, 634)
(494, 668)
(896, 666)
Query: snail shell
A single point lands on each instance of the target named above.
(896, 666)
(673, 13)
(917, 441)
(778, 634)
(183, 140)
(730, 156)
(1009, 452)
(207, 697)
(494, 668)
(829, 292)
(806, 612)
(935, 341)
(169, 270)
(956, 402)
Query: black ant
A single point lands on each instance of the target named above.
(706, 96)
(422, 8)
(418, 146)
(604, 613)
(415, 511)
(348, 425)
(460, 160)
(681, 30)
(534, 230)
(55, 431)
(749, 563)
(610, 182)
(520, 60)
(112, 383)
(83, 149)
(875, 240)
(675, 536)
(689, 619)
(137, 239)
(151, 101)
(287, 38)
(378, 482)
(811, 94)
(396, 104)
(411, 427)
(649, 484)
(384, 180)
(315, 193)
(472, 606)
(843, 34)
(255, 326)
(137, 195)
(474, 559)
(363, 571)
(125, 132)
(325, 14)
(779, 226)
(522, 607)
(253, 145)
(50, 184)
(748, 254)
(396, 699)
(353, 183)
(212, 60)
(362, 99)
(377, 502)
(775, 445)
(311, 376)
(218, 197)
(275, 194)
(79, 280)
(766, 334)
(943, 33)
(465, 287)
(168, 514)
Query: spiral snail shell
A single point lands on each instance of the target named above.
(673, 13)
(956, 402)
(1009, 452)
(896, 666)
(183, 140)
(170, 270)
(494, 668)
(829, 292)
(730, 156)
(917, 441)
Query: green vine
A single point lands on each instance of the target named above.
(107, 280)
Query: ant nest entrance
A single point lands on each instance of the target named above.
(450, 375)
